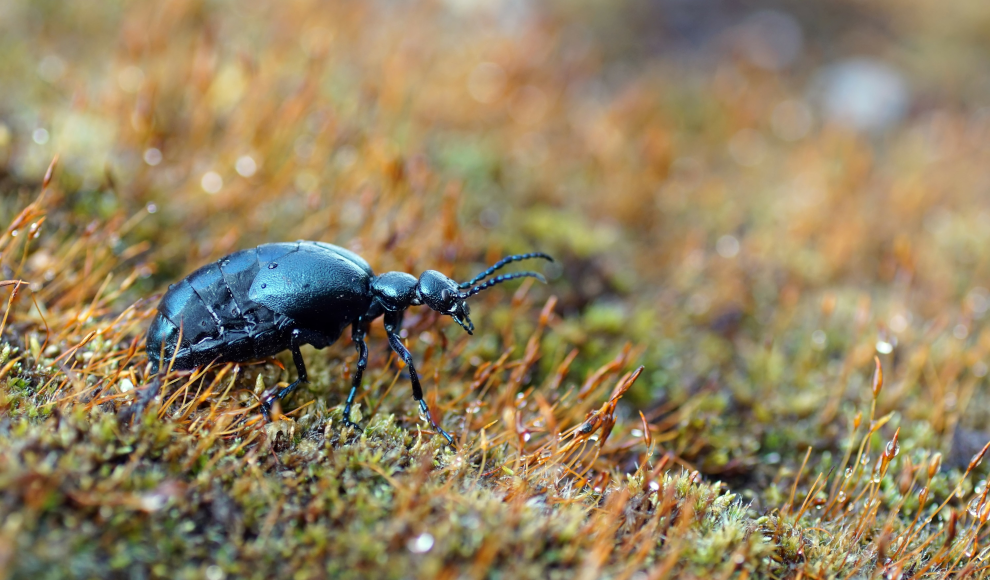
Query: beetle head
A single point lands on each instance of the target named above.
(441, 294)
(446, 297)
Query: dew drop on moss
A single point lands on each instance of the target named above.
(892, 449)
(974, 507)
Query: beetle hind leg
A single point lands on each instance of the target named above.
(358, 330)
(266, 403)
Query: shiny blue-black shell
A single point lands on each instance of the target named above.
(247, 305)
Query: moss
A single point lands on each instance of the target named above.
(755, 298)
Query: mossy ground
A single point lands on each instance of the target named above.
(695, 394)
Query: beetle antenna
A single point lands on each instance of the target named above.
(499, 279)
(500, 264)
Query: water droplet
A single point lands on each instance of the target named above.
(246, 166)
(272, 266)
(152, 156)
(865, 460)
(211, 182)
(892, 449)
(974, 507)
(849, 472)
(841, 497)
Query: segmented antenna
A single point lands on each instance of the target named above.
(501, 263)
(499, 279)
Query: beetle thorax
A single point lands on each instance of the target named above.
(395, 290)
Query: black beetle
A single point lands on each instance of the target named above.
(256, 303)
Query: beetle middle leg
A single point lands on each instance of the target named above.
(266, 403)
(358, 330)
(393, 322)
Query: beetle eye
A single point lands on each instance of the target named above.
(444, 295)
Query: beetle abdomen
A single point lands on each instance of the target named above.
(245, 305)
(217, 319)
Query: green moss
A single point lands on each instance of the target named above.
(368, 129)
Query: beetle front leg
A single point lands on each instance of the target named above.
(358, 330)
(266, 403)
(393, 321)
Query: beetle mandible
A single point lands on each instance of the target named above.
(255, 303)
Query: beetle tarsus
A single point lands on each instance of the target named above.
(438, 428)
(145, 396)
(284, 392)
(266, 408)
(352, 425)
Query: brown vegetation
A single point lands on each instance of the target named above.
(689, 397)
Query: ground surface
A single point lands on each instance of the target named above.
(763, 349)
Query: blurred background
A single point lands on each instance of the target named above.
(760, 196)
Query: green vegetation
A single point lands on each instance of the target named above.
(762, 352)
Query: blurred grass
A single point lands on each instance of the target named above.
(715, 222)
